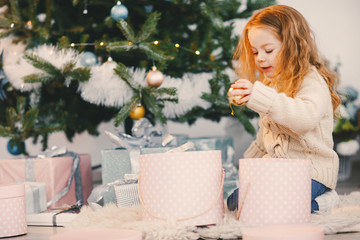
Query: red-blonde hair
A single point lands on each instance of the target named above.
(298, 52)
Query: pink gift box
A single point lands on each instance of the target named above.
(183, 186)
(54, 171)
(12, 210)
(274, 191)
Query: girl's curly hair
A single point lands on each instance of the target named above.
(298, 53)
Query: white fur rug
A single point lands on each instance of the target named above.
(345, 218)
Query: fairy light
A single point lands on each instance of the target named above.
(154, 68)
(86, 44)
(29, 25)
(156, 43)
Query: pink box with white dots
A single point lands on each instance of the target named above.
(12, 210)
(186, 187)
(274, 191)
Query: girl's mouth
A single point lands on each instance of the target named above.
(266, 69)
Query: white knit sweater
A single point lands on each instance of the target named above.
(297, 128)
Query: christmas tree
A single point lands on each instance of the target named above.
(70, 65)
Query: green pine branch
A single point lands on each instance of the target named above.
(152, 98)
(52, 73)
(138, 41)
(126, 109)
(148, 28)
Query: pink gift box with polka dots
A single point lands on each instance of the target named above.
(274, 191)
(186, 187)
(12, 210)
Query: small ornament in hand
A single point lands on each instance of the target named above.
(234, 100)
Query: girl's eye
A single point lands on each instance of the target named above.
(255, 53)
(269, 51)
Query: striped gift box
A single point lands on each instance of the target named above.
(127, 195)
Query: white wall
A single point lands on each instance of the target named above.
(336, 27)
(335, 23)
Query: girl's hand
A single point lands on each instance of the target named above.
(239, 92)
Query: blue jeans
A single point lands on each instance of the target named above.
(317, 189)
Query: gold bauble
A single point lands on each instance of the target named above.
(154, 78)
(137, 112)
(233, 99)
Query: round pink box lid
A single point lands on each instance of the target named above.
(12, 190)
(285, 231)
(96, 234)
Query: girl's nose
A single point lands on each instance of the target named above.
(260, 58)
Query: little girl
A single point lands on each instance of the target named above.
(283, 79)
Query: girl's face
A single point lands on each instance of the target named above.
(265, 46)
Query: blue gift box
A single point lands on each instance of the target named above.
(115, 163)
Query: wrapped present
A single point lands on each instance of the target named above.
(54, 217)
(274, 191)
(145, 138)
(115, 163)
(12, 210)
(68, 177)
(183, 186)
(35, 197)
(126, 191)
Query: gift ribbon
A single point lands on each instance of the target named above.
(29, 170)
(73, 209)
(98, 192)
(75, 172)
(36, 197)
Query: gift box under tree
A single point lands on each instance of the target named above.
(116, 163)
(56, 173)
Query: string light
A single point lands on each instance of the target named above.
(156, 43)
(86, 44)
(85, 7)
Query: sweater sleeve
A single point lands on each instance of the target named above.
(301, 113)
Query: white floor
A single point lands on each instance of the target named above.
(353, 184)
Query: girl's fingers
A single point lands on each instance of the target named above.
(239, 92)
(243, 100)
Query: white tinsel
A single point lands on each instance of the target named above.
(105, 87)
(348, 148)
(16, 67)
(189, 90)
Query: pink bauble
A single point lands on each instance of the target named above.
(154, 78)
